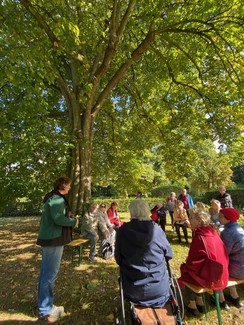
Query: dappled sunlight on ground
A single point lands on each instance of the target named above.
(89, 292)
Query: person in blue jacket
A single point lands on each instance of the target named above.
(187, 200)
(141, 249)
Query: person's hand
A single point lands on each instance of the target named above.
(76, 221)
(111, 229)
(106, 234)
(97, 237)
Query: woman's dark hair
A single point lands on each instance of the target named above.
(61, 182)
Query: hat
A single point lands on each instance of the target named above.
(230, 214)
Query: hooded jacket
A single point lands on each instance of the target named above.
(56, 222)
(140, 250)
(198, 253)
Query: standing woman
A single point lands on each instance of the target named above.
(170, 206)
(55, 231)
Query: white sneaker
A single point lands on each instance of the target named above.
(55, 313)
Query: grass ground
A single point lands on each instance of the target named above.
(89, 293)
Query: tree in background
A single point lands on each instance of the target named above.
(172, 69)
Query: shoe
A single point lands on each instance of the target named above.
(224, 305)
(193, 311)
(92, 259)
(201, 309)
(235, 301)
(55, 313)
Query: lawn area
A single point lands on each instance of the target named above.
(89, 293)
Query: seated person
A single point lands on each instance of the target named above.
(233, 238)
(114, 216)
(141, 248)
(90, 224)
(200, 205)
(181, 220)
(214, 213)
(101, 212)
(206, 244)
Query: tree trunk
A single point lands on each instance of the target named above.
(81, 157)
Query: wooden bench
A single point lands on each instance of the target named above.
(77, 246)
(200, 290)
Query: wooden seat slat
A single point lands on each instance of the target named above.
(77, 245)
(77, 242)
(198, 289)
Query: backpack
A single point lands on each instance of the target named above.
(105, 250)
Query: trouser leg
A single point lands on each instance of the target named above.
(171, 213)
(177, 229)
(93, 242)
(51, 259)
(185, 233)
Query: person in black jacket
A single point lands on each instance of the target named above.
(140, 250)
(224, 198)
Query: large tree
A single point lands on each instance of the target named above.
(175, 63)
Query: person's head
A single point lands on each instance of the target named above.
(159, 205)
(221, 189)
(172, 194)
(114, 205)
(183, 192)
(139, 195)
(94, 206)
(62, 184)
(198, 218)
(139, 209)
(200, 205)
(215, 204)
(102, 206)
(179, 204)
(228, 215)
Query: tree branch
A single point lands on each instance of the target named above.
(42, 23)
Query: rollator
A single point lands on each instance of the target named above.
(154, 316)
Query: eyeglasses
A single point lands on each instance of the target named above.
(103, 206)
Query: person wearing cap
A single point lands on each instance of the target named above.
(233, 237)
(224, 198)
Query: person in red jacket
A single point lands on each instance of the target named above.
(207, 261)
(114, 216)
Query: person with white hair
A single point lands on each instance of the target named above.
(224, 198)
(141, 249)
(214, 212)
(207, 261)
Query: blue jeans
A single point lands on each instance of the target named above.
(51, 258)
(93, 242)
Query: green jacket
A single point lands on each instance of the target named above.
(55, 225)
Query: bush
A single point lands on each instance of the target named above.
(21, 209)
